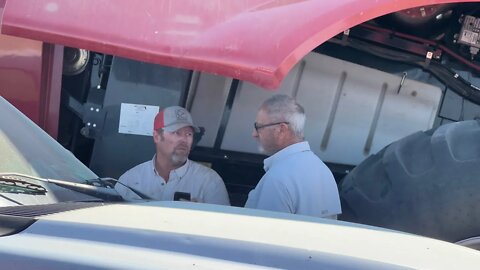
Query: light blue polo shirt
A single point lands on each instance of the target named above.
(298, 182)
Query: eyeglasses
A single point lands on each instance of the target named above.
(257, 126)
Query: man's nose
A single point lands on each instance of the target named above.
(254, 133)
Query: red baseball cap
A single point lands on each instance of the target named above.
(174, 118)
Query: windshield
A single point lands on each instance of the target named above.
(27, 149)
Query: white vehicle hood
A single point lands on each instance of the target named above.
(159, 235)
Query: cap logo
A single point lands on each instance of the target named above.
(181, 114)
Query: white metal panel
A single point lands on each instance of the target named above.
(367, 114)
(211, 94)
(352, 111)
(238, 135)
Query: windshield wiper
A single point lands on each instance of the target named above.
(110, 182)
(10, 184)
(21, 180)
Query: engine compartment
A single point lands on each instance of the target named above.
(365, 88)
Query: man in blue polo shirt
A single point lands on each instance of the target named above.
(296, 180)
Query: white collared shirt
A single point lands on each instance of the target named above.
(296, 181)
(203, 183)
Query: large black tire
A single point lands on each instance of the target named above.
(427, 183)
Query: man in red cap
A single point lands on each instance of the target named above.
(170, 173)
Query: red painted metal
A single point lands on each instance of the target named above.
(30, 78)
(20, 74)
(254, 40)
(51, 84)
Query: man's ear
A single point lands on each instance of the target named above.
(198, 136)
(285, 131)
(156, 136)
(284, 128)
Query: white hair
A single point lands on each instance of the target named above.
(285, 108)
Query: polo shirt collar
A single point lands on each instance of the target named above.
(181, 171)
(287, 151)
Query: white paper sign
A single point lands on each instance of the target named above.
(137, 119)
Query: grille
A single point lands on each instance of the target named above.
(45, 209)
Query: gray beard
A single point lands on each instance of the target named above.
(178, 160)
